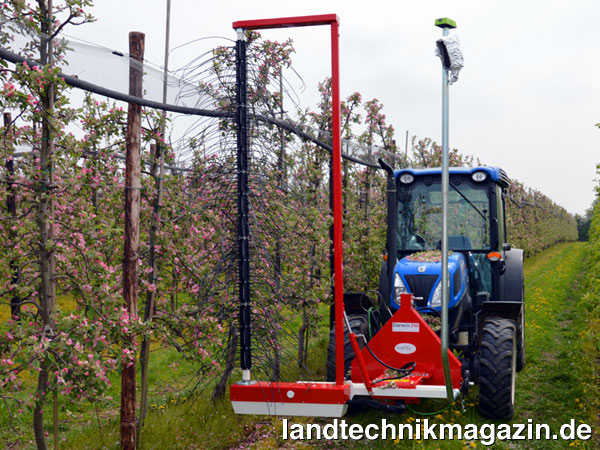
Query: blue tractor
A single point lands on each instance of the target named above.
(486, 321)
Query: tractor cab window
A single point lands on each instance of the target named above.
(420, 214)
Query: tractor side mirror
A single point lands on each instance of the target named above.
(392, 217)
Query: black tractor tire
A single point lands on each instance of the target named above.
(359, 325)
(521, 341)
(497, 369)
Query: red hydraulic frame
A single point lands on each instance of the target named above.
(334, 21)
(398, 340)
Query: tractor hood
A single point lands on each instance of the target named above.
(421, 275)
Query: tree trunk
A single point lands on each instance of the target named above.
(38, 418)
(282, 185)
(44, 210)
(156, 171)
(303, 339)
(11, 209)
(232, 342)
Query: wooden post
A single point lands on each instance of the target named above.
(132, 233)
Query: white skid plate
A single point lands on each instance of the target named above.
(290, 409)
(420, 391)
(290, 399)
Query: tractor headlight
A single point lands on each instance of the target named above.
(406, 178)
(399, 288)
(436, 299)
(479, 176)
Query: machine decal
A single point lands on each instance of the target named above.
(406, 327)
(405, 348)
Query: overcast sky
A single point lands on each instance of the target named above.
(527, 99)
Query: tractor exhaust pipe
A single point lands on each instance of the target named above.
(392, 218)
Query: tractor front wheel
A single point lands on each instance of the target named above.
(497, 370)
(359, 325)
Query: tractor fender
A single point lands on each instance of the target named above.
(512, 278)
(498, 310)
(514, 292)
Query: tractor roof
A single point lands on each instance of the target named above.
(496, 174)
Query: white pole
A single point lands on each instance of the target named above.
(445, 24)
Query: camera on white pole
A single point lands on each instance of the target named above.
(448, 49)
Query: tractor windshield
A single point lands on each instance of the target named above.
(420, 215)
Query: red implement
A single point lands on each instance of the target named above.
(406, 338)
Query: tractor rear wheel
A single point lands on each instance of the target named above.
(497, 371)
(359, 325)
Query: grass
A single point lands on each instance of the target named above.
(557, 379)
(556, 385)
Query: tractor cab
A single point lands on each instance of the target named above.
(476, 239)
